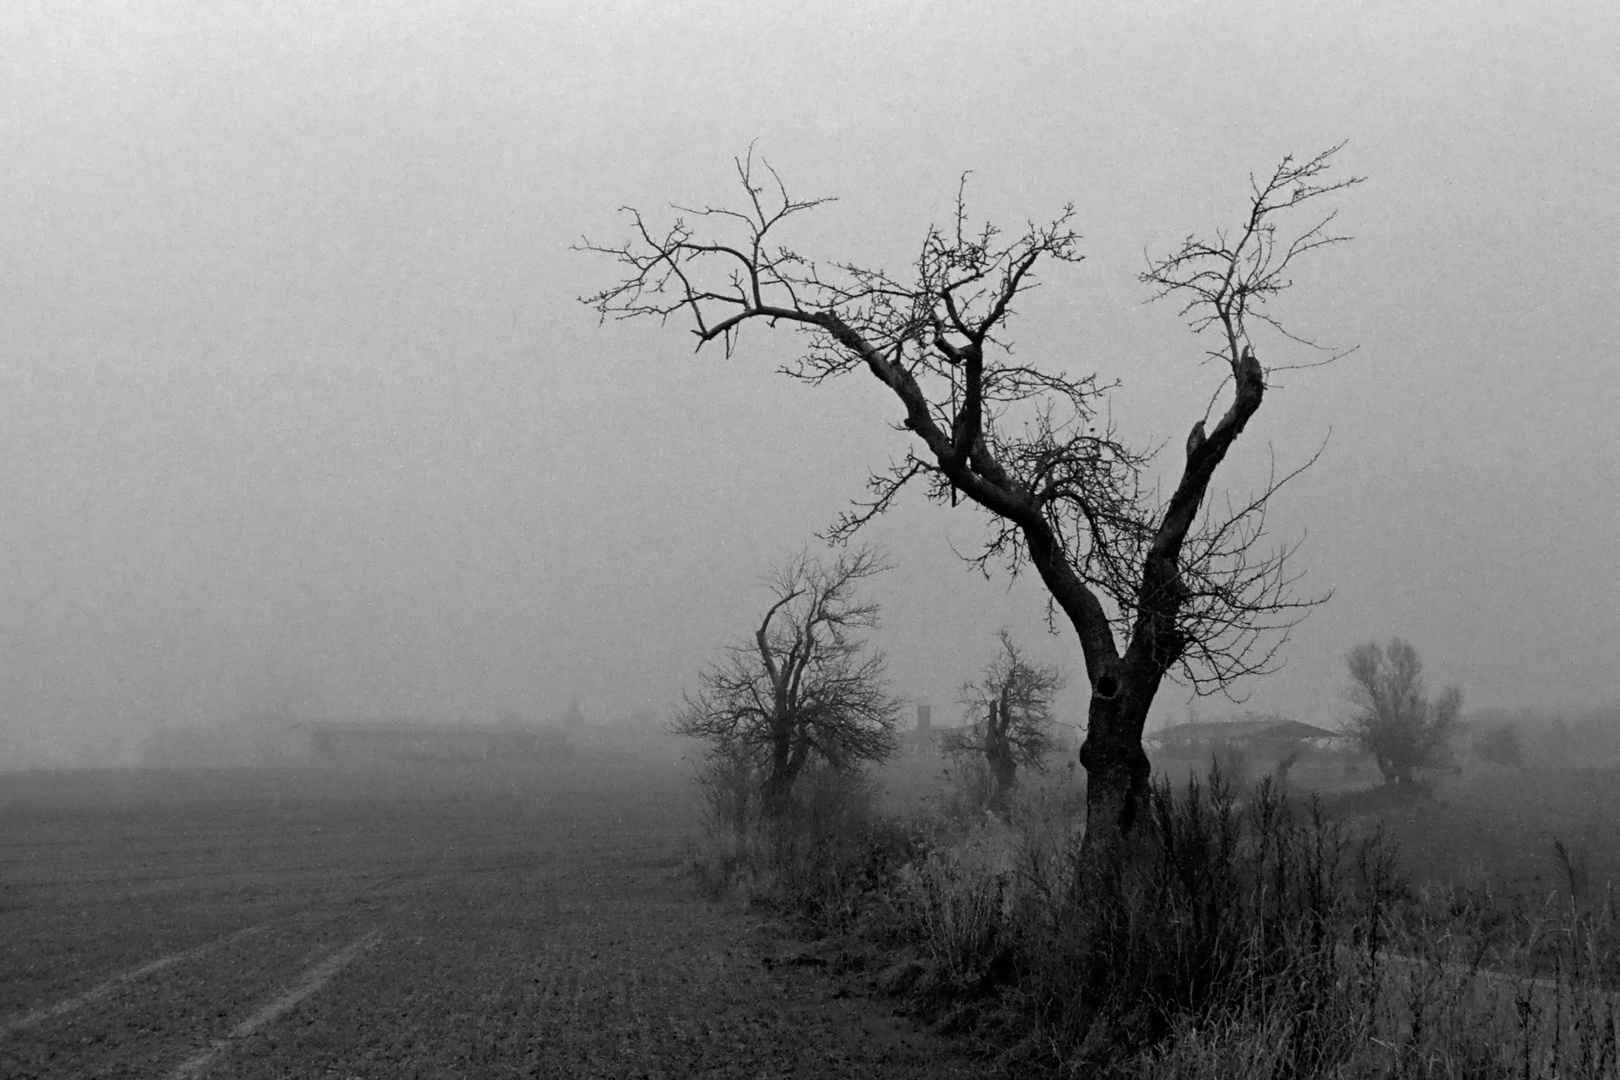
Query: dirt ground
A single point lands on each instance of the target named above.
(427, 924)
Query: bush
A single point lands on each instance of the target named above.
(728, 783)
(819, 862)
(955, 904)
(969, 791)
(960, 902)
(835, 851)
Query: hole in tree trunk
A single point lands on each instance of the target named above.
(1107, 686)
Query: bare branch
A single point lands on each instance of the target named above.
(804, 686)
(1152, 586)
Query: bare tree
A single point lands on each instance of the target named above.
(1151, 585)
(1394, 720)
(803, 686)
(1011, 706)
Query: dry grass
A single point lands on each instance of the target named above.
(1267, 937)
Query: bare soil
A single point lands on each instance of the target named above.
(469, 923)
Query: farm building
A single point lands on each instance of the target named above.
(362, 742)
(1267, 737)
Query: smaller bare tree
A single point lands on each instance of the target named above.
(1394, 720)
(1011, 706)
(803, 687)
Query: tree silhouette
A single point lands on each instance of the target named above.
(1394, 720)
(1011, 706)
(803, 686)
(1151, 585)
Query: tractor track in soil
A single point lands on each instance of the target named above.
(536, 928)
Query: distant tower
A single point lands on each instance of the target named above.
(925, 717)
(573, 718)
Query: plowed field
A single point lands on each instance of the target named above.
(260, 924)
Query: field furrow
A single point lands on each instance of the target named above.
(532, 926)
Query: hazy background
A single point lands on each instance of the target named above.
(298, 410)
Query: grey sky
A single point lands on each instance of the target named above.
(292, 379)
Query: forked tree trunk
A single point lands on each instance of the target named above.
(1123, 687)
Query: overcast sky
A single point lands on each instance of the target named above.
(296, 396)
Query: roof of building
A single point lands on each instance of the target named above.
(416, 727)
(1239, 730)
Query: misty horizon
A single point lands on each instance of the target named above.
(302, 415)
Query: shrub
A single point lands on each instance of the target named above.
(969, 791)
(728, 781)
(955, 902)
(835, 851)
(820, 861)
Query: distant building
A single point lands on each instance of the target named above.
(388, 741)
(1265, 737)
(923, 739)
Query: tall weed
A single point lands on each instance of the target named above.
(1259, 937)
(1236, 911)
(820, 862)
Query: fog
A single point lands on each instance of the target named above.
(299, 411)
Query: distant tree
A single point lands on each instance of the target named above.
(1500, 745)
(804, 686)
(1011, 726)
(1394, 720)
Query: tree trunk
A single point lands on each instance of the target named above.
(777, 796)
(1003, 774)
(999, 755)
(1117, 772)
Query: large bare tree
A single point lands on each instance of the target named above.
(1151, 585)
(1011, 719)
(804, 686)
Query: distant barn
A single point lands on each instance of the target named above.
(1266, 737)
(362, 742)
